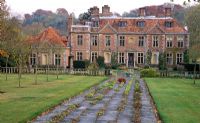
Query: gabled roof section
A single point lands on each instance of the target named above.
(49, 35)
(155, 30)
(153, 25)
(177, 28)
(108, 29)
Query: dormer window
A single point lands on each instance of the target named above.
(168, 24)
(122, 24)
(140, 23)
(95, 23)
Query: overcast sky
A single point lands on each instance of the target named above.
(79, 6)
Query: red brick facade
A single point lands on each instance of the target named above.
(130, 38)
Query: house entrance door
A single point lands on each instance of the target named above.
(130, 59)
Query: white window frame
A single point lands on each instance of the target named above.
(79, 40)
(169, 56)
(57, 57)
(140, 58)
(79, 56)
(94, 40)
(155, 39)
(108, 40)
(33, 59)
(140, 24)
(141, 39)
(180, 39)
(122, 23)
(122, 40)
(178, 58)
(121, 57)
(169, 24)
(169, 39)
(94, 55)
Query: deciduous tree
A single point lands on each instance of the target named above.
(192, 20)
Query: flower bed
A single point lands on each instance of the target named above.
(121, 80)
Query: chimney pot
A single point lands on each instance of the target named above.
(106, 10)
(94, 11)
(168, 12)
(142, 11)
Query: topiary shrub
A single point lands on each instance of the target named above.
(162, 61)
(93, 66)
(150, 72)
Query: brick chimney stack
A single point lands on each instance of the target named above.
(94, 11)
(70, 22)
(105, 9)
(168, 12)
(142, 12)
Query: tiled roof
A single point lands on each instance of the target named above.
(108, 29)
(50, 35)
(151, 22)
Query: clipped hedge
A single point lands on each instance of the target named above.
(150, 72)
(11, 63)
(79, 64)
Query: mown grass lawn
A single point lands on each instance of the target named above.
(23, 104)
(177, 100)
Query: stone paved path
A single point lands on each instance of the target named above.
(113, 107)
(147, 114)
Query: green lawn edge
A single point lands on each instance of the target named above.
(176, 99)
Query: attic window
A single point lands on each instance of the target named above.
(141, 23)
(168, 24)
(95, 23)
(122, 24)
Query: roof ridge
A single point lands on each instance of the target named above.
(50, 35)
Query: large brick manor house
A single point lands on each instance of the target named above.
(129, 37)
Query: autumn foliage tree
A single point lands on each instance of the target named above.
(12, 40)
(3, 31)
(3, 17)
